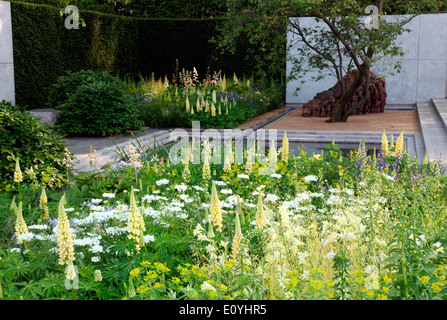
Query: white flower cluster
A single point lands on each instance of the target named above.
(162, 182)
(181, 187)
(108, 195)
(310, 178)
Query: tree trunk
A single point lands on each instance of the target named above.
(339, 111)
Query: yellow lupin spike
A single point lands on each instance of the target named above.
(273, 156)
(237, 239)
(215, 209)
(285, 148)
(135, 221)
(425, 161)
(206, 170)
(187, 105)
(400, 143)
(18, 177)
(186, 174)
(228, 160)
(239, 210)
(260, 213)
(43, 204)
(20, 226)
(64, 238)
(224, 83)
(13, 206)
(384, 144)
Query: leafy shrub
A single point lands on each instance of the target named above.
(93, 103)
(43, 156)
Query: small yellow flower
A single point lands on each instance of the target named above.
(161, 267)
(387, 279)
(437, 286)
(135, 272)
(424, 279)
(150, 275)
(142, 289)
(175, 280)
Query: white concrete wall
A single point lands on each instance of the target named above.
(7, 91)
(424, 66)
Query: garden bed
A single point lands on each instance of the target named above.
(327, 226)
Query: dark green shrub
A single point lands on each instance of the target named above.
(42, 155)
(68, 84)
(94, 103)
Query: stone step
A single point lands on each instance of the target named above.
(433, 132)
(441, 109)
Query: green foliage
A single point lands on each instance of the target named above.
(174, 8)
(358, 233)
(236, 101)
(95, 104)
(28, 139)
(124, 46)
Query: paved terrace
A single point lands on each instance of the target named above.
(425, 127)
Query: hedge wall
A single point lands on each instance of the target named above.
(44, 49)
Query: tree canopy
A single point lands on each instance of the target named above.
(349, 30)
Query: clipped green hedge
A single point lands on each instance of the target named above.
(125, 46)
